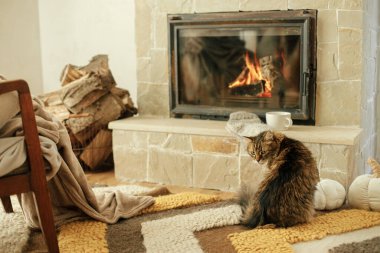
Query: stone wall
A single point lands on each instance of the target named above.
(213, 162)
(205, 155)
(339, 34)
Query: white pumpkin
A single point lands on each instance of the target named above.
(364, 191)
(329, 195)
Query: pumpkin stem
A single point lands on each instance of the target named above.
(375, 166)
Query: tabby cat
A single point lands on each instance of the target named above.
(285, 195)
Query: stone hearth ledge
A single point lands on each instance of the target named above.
(202, 154)
(310, 134)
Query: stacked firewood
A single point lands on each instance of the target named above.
(86, 103)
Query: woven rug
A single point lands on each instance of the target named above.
(194, 222)
(370, 245)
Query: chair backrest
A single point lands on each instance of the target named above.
(35, 179)
(34, 153)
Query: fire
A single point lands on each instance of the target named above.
(251, 75)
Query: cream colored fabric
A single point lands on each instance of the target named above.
(364, 193)
(329, 195)
(71, 195)
(8, 106)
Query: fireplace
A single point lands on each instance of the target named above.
(252, 61)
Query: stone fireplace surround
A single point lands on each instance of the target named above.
(200, 153)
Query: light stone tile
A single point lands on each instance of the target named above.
(350, 61)
(327, 54)
(353, 19)
(130, 139)
(354, 4)
(327, 26)
(143, 27)
(216, 5)
(178, 142)
(175, 6)
(336, 4)
(249, 5)
(315, 149)
(169, 167)
(346, 4)
(161, 31)
(157, 139)
(339, 103)
(335, 155)
(130, 164)
(216, 172)
(159, 68)
(214, 144)
(308, 4)
(334, 174)
(251, 173)
(144, 69)
(243, 147)
(349, 35)
(152, 99)
(335, 162)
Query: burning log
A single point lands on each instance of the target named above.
(254, 89)
(251, 80)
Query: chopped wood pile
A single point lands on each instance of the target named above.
(86, 103)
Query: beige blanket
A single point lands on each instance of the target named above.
(71, 196)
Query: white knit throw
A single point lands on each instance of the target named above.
(244, 124)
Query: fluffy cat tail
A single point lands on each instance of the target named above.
(253, 214)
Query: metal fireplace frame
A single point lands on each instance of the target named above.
(305, 19)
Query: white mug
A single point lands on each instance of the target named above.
(279, 120)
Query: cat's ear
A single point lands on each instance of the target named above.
(248, 139)
(269, 136)
(279, 136)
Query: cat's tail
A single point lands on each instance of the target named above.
(253, 213)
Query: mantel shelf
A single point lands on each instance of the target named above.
(309, 134)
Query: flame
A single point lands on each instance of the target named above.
(251, 75)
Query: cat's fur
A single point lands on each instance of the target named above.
(285, 195)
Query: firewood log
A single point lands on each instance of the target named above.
(99, 65)
(106, 109)
(98, 150)
(83, 92)
(70, 73)
(86, 135)
(79, 122)
(126, 99)
(54, 105)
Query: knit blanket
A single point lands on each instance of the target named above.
(194, 222)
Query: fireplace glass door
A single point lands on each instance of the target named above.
(246, 63)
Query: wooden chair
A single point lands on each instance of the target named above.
(34, 179)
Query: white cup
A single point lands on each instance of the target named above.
(279, 120)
